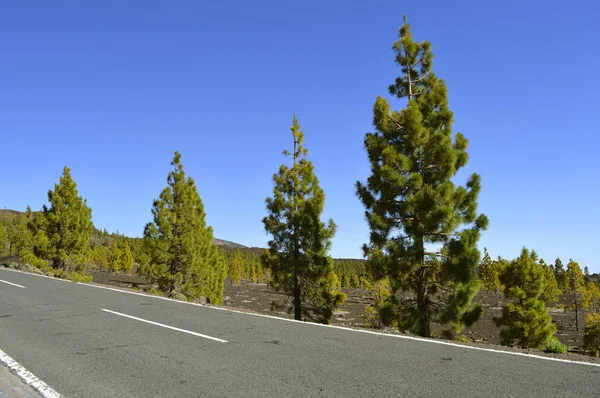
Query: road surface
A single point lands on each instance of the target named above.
(86, 341)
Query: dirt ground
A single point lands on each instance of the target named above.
(257, 298)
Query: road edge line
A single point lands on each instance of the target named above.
(34, 274)
(27, 377)
(399, 336)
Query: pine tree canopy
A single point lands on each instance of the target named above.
(297, 255)
(61, 231)
(181, 256)
(424, 228)
(525, 321)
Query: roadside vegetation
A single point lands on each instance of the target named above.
(421, 265)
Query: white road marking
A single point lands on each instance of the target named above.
(166, 326)
(399, 336)
(13, 284)
(27, 377)
(140, 294)
(30, 273)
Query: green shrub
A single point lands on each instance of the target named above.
(462, 339)
(178, 296)
(154, 291)
(591, 334)
(77, 277)
(556, 347)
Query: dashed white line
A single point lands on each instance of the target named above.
(12, 284)
(27, 377)
(166, 326)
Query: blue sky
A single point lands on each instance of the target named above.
(112, 88)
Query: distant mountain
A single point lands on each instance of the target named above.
(11, 214)
(226, 243)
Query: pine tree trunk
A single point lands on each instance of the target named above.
(422, 302)
(297, 300)
(576, 316)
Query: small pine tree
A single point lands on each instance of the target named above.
(586, 271)
(488, 271)
(100, 256)
(591, 334)
(63, 230)
(236, 268)
(424, 228)
(297, 255)
(19, 237)
(593, 297)
(524, 321)
(381, 312)
(3, 238)
(125, 259)
(575, 289)
(551, 291)
(559, 273)
(179, 251)
(113, 256)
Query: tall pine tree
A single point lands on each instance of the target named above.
(181, 256)
(297, 253)
(424, 228)
(62, 231)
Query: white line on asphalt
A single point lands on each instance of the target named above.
(12, 284)
(27, 377)
(166, 326)
(399, 336)
(30, 273)
(140, 294)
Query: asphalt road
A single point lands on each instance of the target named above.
(64, 334)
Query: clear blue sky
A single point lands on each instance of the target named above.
(112, 88)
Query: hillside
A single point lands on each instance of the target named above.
(12, 214)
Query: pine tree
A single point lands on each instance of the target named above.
(591, 334)
(575, 289)
(593, 297)
(551, 291)
(125, 258)
(18, 235)
(413, 206)
(488, 271)
(586, 271)
(62, 231)
(100, 256)
(559, 273)
(236, 268)
(180, 254)
(113, 256)
(3, 238)
(524, 321)
(297, 255)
